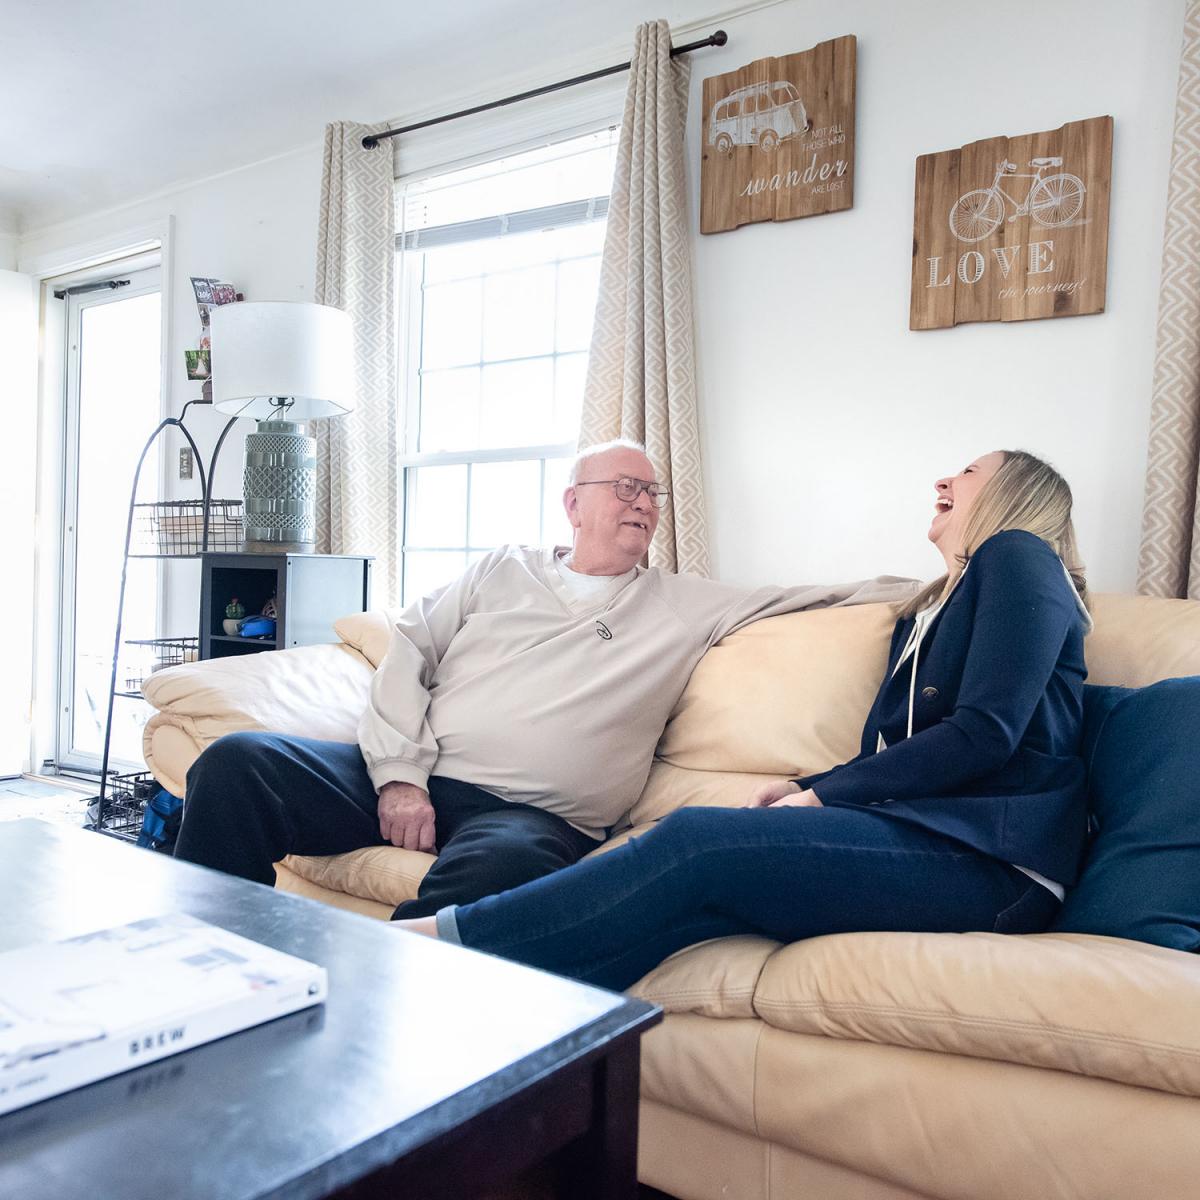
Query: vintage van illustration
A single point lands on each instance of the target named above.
(762, 115)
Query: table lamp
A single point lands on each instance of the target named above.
(282, 364)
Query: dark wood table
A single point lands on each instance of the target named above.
(431, 1071)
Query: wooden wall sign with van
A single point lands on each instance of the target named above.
(778, 138)
(1012, 229)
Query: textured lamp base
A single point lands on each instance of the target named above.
(280, 489)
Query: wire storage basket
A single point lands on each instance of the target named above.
(170, 528)
(154, 654)
(124, 808)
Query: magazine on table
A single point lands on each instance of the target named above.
(78, 1010)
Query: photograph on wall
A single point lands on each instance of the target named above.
(777, 139)
(210, 294)
(199, 363)
(203, 289)
(1013, 229)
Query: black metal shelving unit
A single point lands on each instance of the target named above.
(310, 592)
(165, 529)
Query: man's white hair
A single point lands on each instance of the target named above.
(598, 448)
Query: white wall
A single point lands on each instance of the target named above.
(257, 228)
(8, 251)
(825, 420)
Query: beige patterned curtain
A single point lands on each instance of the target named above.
(641, 380)
(1169, 562)
(357, 501)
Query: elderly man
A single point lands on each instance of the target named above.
(515, 717)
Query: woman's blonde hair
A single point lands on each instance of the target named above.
(1025, 493)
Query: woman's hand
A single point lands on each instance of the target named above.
(784, 794)
(805, 799)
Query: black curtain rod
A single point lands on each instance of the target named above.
(372, 140)
(90, 287)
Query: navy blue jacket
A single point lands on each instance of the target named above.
(994, 760)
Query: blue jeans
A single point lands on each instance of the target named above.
(784, 873)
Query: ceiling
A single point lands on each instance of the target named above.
(106, 103)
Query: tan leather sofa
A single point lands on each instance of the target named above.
(853, 1067)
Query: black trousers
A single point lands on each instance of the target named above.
(253, 798)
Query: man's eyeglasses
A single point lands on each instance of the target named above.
(627, 490)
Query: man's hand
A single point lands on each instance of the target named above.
(406, 817)
(784, 794)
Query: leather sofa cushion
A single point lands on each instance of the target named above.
(938, 1124)
(1095, 1006)
(669, 787)
(708, 1067)
(287, 880)
(716, 979)
(387, 874)
(785, 696)
(969, 1129)
(1139, 640)
(789, 695)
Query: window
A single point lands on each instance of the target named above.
(499, 267)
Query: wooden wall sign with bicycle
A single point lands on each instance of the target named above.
(777, 139)
(1013, 229)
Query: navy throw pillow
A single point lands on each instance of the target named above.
(1141, 878)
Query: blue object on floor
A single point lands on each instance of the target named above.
(160, 821)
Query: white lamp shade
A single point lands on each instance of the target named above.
(300, 351)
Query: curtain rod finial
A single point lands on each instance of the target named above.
(720, 38)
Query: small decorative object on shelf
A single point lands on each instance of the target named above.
(234, 612)
(175, 528)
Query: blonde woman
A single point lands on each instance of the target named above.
(965, 809)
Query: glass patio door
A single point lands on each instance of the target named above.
(113, 403)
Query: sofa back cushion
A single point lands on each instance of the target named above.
(1141, 639)
(1141, 879)
(787, 695)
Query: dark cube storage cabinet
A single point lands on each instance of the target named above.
(311, 592)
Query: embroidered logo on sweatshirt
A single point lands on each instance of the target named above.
(603, 631)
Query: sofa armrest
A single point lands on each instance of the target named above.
(313, 691)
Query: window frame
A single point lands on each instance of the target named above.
(409, 287)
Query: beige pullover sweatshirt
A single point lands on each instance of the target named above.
(505, 680)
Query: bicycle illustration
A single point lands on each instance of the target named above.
(1051, 200)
